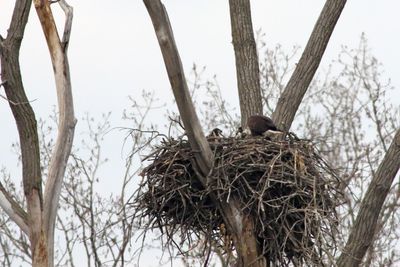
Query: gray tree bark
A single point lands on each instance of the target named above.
(250, 99)
(246, 58)
(26, 124)
(363, 230)
(179, 86)
(300, 80)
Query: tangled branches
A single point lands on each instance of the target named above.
(285, 185)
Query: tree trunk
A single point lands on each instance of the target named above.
(27, 128)
(244, 239)
(248, 81)
(246, 57)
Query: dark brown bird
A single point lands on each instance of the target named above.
(259, 124)
(214, 135)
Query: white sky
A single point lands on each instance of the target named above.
(114, 52)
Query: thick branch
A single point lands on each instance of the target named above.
(300, 80)
(14, 210)
(173, 64)
(18, 23)
(17, 99)
(248, 82)
(67, 120)
(247, 68)
(361, 236)
(234, 218)
(24, 118)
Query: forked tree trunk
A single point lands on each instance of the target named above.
(39, 219)
(239, 224)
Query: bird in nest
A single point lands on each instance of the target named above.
(215, 135)
(259, 125)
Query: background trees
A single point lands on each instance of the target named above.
(331, 108)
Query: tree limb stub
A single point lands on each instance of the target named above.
(246, 58)
(300, 80)
(361, 235)
(68, 10)
(173, 64)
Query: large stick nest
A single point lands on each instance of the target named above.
(284, 185)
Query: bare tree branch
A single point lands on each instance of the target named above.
(67, 120)
(363, 230)
(14, 210)
(297, 86)
(180, 89)
(247, 69)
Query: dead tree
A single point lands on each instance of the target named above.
(248, 86)
(38, 220)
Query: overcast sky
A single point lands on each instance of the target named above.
(114, 52)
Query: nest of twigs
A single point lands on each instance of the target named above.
(284, 185)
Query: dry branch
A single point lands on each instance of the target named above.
(180, 89)
(297, 86)
(14, 210)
